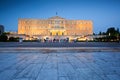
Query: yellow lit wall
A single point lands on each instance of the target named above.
(55, 26)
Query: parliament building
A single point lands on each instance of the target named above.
(55, 27)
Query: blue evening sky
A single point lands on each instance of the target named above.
(103, 13)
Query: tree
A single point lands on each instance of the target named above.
(113, 35)
(93, 33)
(13, 39)
(3, 37)
(100, 33)
(112, 31)
(118, 30)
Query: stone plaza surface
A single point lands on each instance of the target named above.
(58, 64)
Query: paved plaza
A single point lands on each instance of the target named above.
(58, 64)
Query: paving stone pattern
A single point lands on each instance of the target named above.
(59, 66)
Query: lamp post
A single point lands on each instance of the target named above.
(118, 38)
(109, 34)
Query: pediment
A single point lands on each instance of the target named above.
(56, 17)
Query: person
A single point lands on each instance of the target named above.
(44, 40)
(53, 40)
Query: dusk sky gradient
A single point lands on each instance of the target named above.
(103, 13)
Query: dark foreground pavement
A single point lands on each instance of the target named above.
(60, 47)
(48, 44)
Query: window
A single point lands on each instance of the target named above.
(50, 33)
(62, 33)
(56, 34)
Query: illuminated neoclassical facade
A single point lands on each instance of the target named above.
(55, 27)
